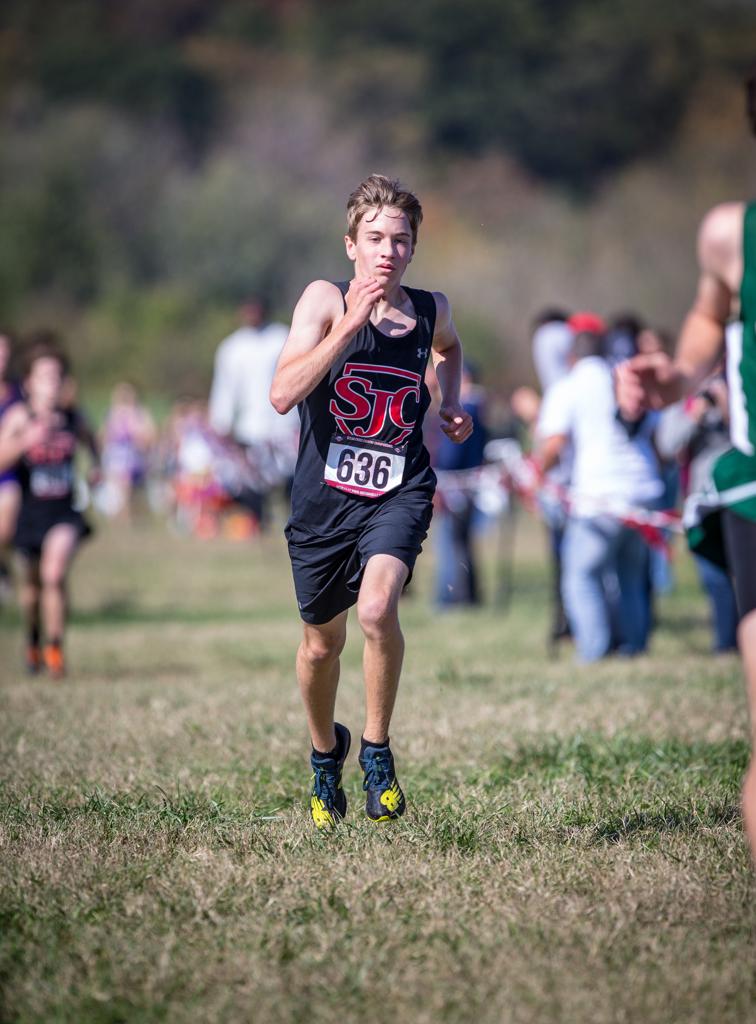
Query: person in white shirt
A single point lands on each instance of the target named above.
(611, 473)
(245, 363)
(551, 345)
(552, 348)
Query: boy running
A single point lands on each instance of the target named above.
(39, 438)
(363, 488)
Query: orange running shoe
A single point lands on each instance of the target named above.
(33, 660)
(54, 662)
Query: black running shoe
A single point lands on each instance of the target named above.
(328, 802)
(385, 799)
(33, 660)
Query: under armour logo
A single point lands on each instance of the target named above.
(422, 353)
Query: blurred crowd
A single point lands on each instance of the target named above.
(607, 490)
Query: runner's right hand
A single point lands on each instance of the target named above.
(37, 432)
(646, 382)
(361, 298)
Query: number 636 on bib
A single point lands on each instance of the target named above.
(367, 468)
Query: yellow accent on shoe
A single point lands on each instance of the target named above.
(33, 659)
(320, 813)
(391, 798)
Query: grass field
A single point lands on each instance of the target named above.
(572, 850)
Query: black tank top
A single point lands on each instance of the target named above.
(366, 414)
(46, 472)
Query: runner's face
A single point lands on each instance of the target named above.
(383, 248)
(44, 382)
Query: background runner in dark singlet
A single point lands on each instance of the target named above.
(39, 439)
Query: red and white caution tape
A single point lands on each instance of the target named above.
(509, 471)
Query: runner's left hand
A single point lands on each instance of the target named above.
(456, 423)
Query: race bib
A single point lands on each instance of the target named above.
(51, 481)
(367, 468)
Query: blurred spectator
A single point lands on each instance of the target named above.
(612, 472)
(127, 440)
(552, 347)
(240, 406)
(457, 578)
(661, 580)
(621, 338)
(197, 476)
(525, 404)
(697, 432)
(654, 339)
(552, 340)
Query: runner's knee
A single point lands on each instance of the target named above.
(322, 648)
(52, 575)
(377, 614)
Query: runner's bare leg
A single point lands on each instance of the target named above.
(378, 614)
(318, 674)
(747, 644)
(58, 549)
(29, 594)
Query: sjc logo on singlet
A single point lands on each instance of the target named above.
(372, 398)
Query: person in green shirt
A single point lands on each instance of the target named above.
(727, 276)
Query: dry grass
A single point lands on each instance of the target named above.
(572, 851)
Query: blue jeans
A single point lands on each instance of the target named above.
(594, 551)
(456, 571)
(724, 613)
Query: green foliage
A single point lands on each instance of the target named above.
(238, 230)
(163, 158)
(133, 61)
(572, 89)
(163, 339)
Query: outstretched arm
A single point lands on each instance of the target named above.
(654, 381)
(89, 440)
(447, 361)
(550, 451)
(318, 335)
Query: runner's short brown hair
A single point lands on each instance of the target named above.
(44, 344)
(376, 192)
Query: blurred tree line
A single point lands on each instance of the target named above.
(159, 161)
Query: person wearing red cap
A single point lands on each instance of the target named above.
(584, 322)
(612, 471)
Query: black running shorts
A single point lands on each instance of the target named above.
(37, 518)
(328, 566)
(740, 544)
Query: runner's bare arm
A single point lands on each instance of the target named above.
(720, 241)
(319, 334)
(88, 438)
(18, 433)
(447, 361)
(550, 451)
(654, 381)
